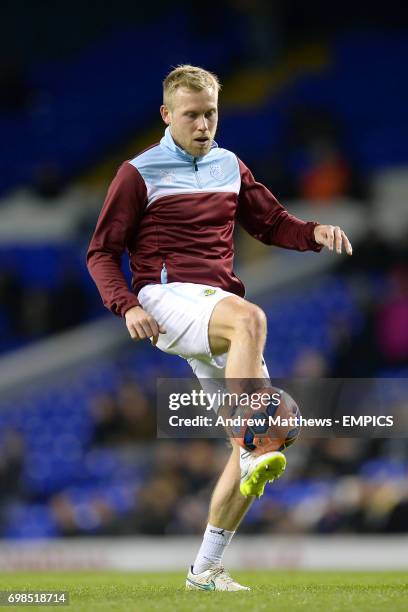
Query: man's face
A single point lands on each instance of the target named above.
(192, 117)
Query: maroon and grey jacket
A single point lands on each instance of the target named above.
(175, 214)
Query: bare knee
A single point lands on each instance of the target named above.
(251, 321)
(233, 318)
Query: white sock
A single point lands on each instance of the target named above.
(213, 546)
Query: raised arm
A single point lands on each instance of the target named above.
(264, 218)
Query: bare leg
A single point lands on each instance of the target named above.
(228, 506)
(239, 327)
(227, 509)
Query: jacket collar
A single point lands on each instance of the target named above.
(167, 142)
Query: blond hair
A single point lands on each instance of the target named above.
(191, 77)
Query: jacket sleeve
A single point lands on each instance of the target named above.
(116, 228)
(264, 218)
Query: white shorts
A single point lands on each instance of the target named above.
(184, 310)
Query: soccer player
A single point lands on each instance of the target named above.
(173, 208)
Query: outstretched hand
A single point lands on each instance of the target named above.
(141, 325)
(332, 236)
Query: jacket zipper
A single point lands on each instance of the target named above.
(196, 173)
(163, 272)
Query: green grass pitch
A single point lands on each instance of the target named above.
(271, 590)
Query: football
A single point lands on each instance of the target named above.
(268, 421)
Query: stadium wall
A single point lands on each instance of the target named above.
(171, 553)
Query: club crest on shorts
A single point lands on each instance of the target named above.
(209, 291)
(216, 172)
